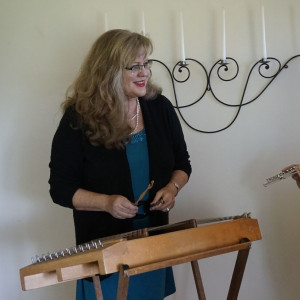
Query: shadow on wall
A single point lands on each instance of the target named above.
(31, 224)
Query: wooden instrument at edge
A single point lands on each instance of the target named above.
(150, 249)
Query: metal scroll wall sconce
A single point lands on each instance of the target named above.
(268, 68)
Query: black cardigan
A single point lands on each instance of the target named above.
(75, 164)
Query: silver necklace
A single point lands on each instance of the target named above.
(136, 116)
(137, 104)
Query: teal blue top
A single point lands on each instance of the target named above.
(138, 159)
(154, 285)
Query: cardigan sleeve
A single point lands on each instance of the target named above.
(66, 161)
(182, 157)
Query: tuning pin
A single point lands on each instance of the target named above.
(87, 246)
(75, 250)
(95, 244)
(81, 248)
(38, 259)
(32, 260)
(44, 257)
(68, 251)
(50, 256)
(62, 253)
(55, 254)
(100, 243)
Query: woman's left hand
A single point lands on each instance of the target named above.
(164, 199)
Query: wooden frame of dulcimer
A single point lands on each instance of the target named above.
(132, 253)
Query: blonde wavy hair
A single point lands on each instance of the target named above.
(97, 94)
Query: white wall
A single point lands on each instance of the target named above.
(42, 44)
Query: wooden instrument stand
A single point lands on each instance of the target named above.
(243, 248)
(181, 243)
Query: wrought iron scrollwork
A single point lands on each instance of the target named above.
(225, 71)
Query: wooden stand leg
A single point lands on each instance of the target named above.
(123, 283)
(97, 287)
(238, 273)
(198, 280)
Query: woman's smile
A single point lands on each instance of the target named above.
(141, 83)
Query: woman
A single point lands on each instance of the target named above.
(117, 134)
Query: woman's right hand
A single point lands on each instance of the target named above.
(120, 207)
(116, 205)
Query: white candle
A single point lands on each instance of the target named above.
(182, 38)
(143, 24)
(263, 33)
(224, 37)
(105, 22)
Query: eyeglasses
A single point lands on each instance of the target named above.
(135, 69)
